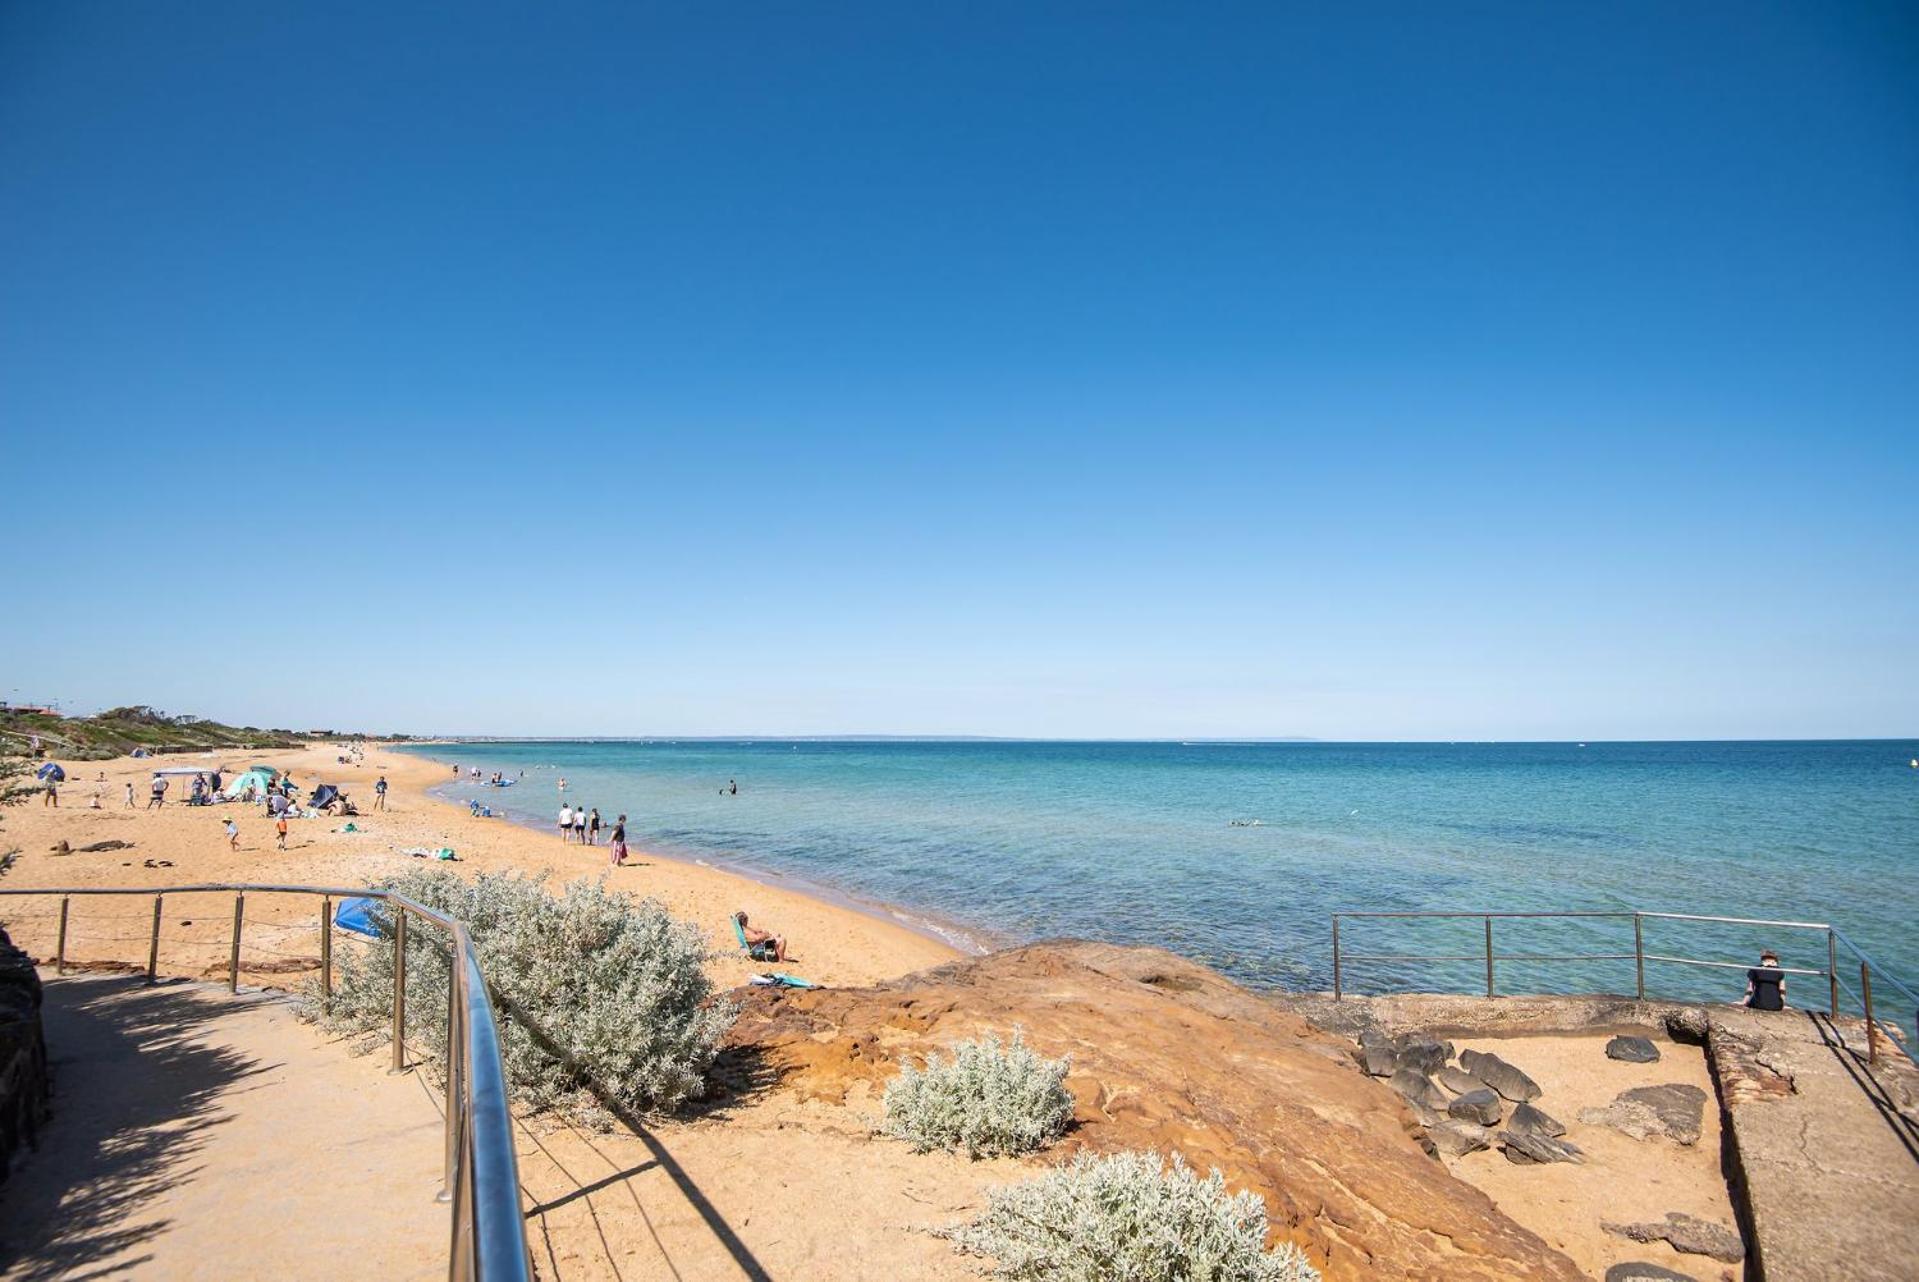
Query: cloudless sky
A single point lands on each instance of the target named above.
(1430, 371)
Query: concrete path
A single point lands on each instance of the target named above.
(196, 1134)
(1829, 1151)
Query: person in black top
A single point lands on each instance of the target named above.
(1766, 984)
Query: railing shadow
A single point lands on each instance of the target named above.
(135, 1096)
(1856, 1067)
(747, 1071)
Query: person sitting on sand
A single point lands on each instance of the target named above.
(757, 940)
(1766, 984)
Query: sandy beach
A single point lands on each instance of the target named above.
(828, 943)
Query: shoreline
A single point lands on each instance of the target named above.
(131, 846)
(965, 939)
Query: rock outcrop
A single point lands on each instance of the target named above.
(1167, 1055)
(23, 1053)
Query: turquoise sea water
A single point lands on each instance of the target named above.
(1134, 842)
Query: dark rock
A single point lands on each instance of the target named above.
(1379, 1061)
(1687, 1234)
(1417, 1088)
(1522, 1147)
(1424, 1056)
(105, 845)
(1501, 1076)
(1675, 1110)
(1481, 1106)
(1404, 1040)
(1458, 1080)
(1535, 1121)
(1633, 1050)
(1456, 1138)
(1639, 1271)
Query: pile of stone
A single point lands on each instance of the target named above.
(1464, 1105)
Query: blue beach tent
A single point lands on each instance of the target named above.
(357, 915)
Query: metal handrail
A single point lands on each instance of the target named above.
(482, 1179)
(1835, 938)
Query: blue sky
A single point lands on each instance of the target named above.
(1469, 371)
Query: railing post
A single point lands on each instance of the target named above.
(60, 949)
(1336, 958)
(1832, 975)
(455, 1078)
(1489, 955)
(326, 954)
(1865, 997)
(233, 958)
(1639, 953)
(153, 944)
(399, 990)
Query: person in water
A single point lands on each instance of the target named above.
(1766, 984)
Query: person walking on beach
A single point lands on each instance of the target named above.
(159, 797)
(280, 829)
(593, 827)
(233, 835)
(618, 853)
(566, 823)
(129, 794)
(379, 793)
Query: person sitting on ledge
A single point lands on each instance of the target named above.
(1766, 984)
(759, 944)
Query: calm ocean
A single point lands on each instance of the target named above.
(1136, 843)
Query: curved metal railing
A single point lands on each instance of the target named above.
(1836, 939)
(482, 1179)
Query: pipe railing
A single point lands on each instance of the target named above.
(482, 1180)
(1836, 939)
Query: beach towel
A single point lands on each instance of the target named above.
(778, 980)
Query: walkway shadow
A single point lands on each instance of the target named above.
(135, 1096)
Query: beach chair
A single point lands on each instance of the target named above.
(765, 950)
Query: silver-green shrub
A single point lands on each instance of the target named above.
(988, 1099)
(1128, 1217)
(602, 999)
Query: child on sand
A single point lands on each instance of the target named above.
(129, 794)
(281, 829)
(233, 835)
(379, 793)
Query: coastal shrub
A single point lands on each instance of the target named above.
(602, 999)
(1128, 1216)
(990, 1100)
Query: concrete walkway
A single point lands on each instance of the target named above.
(196, 1134)
(1828, 1151)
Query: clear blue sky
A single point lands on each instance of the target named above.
(1450, 371)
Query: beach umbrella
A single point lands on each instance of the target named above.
(51, 773)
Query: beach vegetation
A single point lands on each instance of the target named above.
(1128, 1215)
(603, 1000)
(118, 731)
(988, 1099)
